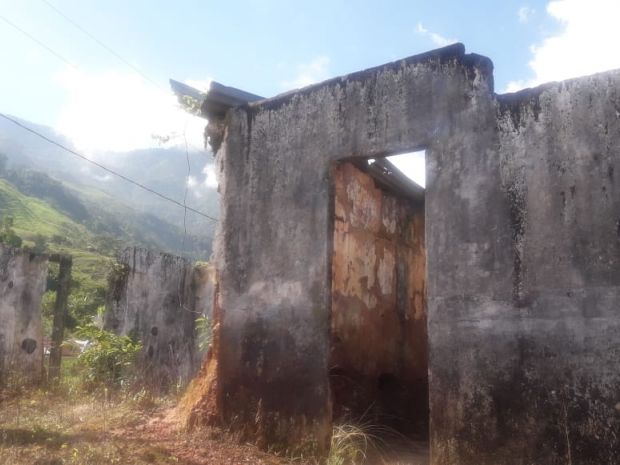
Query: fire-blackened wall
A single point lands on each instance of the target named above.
(523, 267)
(150, 298)
(23, 277)
(379, 356)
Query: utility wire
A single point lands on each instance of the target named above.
(111, 51)
(79, 155)
(101, 44)
(37, 41)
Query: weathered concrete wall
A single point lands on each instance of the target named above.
(23, 278)
(523, 286)
(522, 245)
(274, 243)
(378, 363)
(151, 298)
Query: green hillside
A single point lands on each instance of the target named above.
(34, 217)
(87, 223)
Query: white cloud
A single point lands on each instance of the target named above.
(309, 73)
(435, 38)
(199, 185)
(586, 45)
(210, 176)
(525, 13)
(113, 111)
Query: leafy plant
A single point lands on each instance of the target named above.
(204, 332)
(108, 357)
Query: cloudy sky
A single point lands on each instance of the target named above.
(266, 47)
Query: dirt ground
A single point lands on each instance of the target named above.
(43, 429)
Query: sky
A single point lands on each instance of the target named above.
(266, 47)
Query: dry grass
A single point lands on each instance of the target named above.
(367, 443)
(46, 428)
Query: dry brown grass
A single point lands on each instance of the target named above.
(62, 428)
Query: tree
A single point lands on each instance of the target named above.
(7, 234)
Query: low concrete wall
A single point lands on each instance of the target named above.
(150, 298)
(23, 277)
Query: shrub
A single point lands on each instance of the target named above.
(107, 358)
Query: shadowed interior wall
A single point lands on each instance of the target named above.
(23, 277)
(378, 361)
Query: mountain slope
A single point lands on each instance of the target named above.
(162, 169)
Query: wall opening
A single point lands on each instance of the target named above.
(379, 341)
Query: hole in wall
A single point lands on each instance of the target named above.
(411, 164)
(379, 350)
(29, 345)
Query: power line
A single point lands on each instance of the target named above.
(113, 53)
(125, 178)
(101, 44)
(65, 60)
(37, 41)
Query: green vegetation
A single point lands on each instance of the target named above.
(108, 359)
(204, 332)
(7, 234)
(43, 228)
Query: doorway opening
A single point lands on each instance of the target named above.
(379, 340)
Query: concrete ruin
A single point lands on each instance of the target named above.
(507, 274)
(23, 277)
(155, 298)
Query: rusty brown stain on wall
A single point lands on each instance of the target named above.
(378, 322)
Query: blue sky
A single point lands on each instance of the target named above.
(266, 47)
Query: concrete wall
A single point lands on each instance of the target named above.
(523, 285)
(23, 278)
(274, 243)
(378, 362)
(151, 298)
(522, 257)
